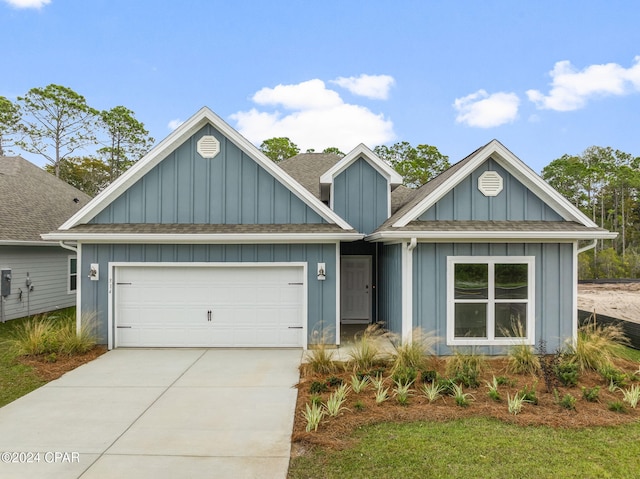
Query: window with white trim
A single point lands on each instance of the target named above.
(490, 300)
(72, 281)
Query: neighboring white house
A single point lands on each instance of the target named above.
(35, 275)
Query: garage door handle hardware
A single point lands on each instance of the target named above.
(296, 284)
(123, 327)
(295, 327)
(209, 315)
(124, 283)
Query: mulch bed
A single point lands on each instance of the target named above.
(335, 432)
(49, 369)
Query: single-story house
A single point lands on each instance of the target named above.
(206, 242)
(36, 276)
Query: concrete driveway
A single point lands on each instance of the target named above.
(167, 413)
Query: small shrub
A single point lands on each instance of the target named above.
(446, 385)
(591, 394)
(461, 398)
(568, 402)
(529, 394)
(318, 387)
(404, 374)
(51, 358)
(313, 415)
(334, 381)
(548, 363)
(616, 406)
(567, 373)
(515, 404)
(316, 399)
(429, 376)
(432, 391)
(631, 396)
(359, 406)
(505, 381)
(465, 368)
(359, 384)
(613, 376)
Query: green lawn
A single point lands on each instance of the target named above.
(478, 448)
(15, 379)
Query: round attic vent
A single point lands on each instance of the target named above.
(208, 146)
(490, 183)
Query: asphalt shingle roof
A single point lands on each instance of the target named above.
(307, 168)
(185, 228)
(33, 201)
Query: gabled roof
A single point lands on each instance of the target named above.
(404, 223)
(362, 151)
(203, 117)
(433, 191)
(33, 201)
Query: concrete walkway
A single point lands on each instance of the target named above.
(168, 413)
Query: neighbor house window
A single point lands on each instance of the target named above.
(73, 274)
(490, 300)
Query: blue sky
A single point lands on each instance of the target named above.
(545, 78)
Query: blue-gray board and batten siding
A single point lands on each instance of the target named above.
(321, 295)
(361, 196)
(390, 287)
(466, 202)
(228, 189)
(554, 283)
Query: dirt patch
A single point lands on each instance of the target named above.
(620, 300)
(49, 368)
(335, 432)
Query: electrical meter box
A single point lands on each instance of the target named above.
(5, 282)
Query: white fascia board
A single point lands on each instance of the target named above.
(362, 150)
(516, 168)
(475, 236)
(175, 139)
(207, 238)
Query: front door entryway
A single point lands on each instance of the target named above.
(355, 291)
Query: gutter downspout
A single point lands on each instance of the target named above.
(407, 290)
(588, 247)
(66, 246)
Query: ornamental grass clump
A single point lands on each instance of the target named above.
(359, 384)
(515, 403)
(403, 391)
(432, 391)
(597, 345)
(493, 389)
(313, 415)
(521, 358)
(366, 350)
(631, 396)
(415, 353)
(465, 368)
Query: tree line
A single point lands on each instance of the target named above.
(56, 123)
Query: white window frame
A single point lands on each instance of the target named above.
(491, 261)
(70, 274)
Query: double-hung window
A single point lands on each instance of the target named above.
(490, 300)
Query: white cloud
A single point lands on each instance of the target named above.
(571, 89)
(315, 117)
(370, 86)
(173, 124)
(28, 3)
(482, 110)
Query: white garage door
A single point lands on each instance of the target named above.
(209, 306)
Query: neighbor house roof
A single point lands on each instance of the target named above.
(33, 201)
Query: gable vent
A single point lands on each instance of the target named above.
(208, 146)
(490, 183)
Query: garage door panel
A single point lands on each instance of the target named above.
(167, 306)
